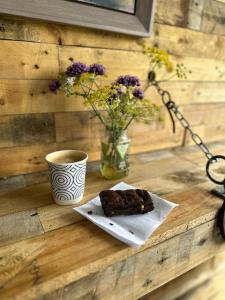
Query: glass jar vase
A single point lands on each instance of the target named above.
(114, 154)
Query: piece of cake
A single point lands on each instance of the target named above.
(128, 202)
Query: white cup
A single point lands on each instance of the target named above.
(67, 170)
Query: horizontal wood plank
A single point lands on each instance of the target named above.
(213, 17)
(95, 182)
(32, 158)
(32, 96)
(184, 231)
(19, 226)
(10, 204)
(21, 60)
(123, 62)
(186, 42)
(53, 216)
(136, 279)
(171, 38)
(186, 285)
(18, 28)
(178, 15)
(26, 129)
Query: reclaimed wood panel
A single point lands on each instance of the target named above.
(197, 157)
(24, 29)
(191, 232)
(135, 279)
(186, 285)
(21, 60)
(203, 113)
(186, 42)
(19, 226)
(10, 204)
(172, 38)
(19, 181)
(32, 96)
(26, 129)
(24, 159)
(123, 62)
(31, 158)
(177, 15)
(53, 216)
(95, 182)
(28, 59)
(211, 289)
(195, 14)
(116, 62)
(213, 17)
(12, 182)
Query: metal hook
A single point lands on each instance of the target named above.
(219, 191)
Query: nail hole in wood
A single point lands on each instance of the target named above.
(202, 242)
(34, 214)
(147, 282)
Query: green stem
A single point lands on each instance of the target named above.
(129, 123)
(97, 113)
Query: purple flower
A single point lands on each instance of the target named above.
(117, 93)
(128, 80)
(54, 86)
(97, 69)
(76, 68)
(138, 93)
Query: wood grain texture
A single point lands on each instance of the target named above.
(178, 15)
(58, 264)
(32, 96)
(28, 60)
(135, 279)
(11, 205)
(195, 11)
(213, 17)
(188, 285)
(186, 42)
(19, 226)
(61, 261)
(123, 62)
(53, 216)
(18, 28)
(18, 181)
(26, 129)
(137, 24)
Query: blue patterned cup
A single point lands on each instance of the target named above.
(67, 170)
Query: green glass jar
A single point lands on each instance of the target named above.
(114, 154)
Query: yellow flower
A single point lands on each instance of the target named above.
(158, 57)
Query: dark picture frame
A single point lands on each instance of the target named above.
(74, 13)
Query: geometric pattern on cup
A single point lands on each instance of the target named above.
(68, 181)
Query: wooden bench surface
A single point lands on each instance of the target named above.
(50, 252)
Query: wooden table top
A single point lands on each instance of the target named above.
(45, 246)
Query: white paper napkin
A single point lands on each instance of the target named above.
(133, 230)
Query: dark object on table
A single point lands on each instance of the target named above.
(128, 202)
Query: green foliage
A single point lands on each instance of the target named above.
(161, 59)
(114, 104)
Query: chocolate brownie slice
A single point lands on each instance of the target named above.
(128, 202)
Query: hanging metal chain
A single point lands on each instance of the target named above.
(173, 108)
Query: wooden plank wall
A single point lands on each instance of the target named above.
(204, 282)
(34, 122)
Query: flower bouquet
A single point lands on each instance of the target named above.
(116, 105)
